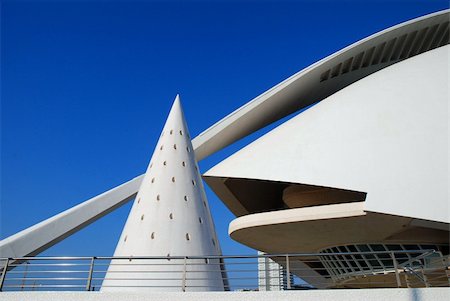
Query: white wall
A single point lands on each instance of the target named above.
(386, 135)
(434, 294)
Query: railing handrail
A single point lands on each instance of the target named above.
(37, 271)
(281, 255)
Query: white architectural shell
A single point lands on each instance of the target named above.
(313, 84)
(365, 168)
(386, 135)
(325, 77)
(379, 132)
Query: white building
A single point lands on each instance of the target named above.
(364, 169)
(271, 275)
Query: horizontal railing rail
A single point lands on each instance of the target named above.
(402, 268)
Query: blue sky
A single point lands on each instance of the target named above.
(86, 87)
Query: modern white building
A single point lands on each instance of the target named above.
(366, 168)
(363, 168)
(271, 275)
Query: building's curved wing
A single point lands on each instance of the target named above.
(326, 77)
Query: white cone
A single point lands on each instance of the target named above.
(170, 217)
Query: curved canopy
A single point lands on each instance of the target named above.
(326, 77)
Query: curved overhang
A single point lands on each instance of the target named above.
(304, 229)
(297, 215)
(361, 143)
(326, 77)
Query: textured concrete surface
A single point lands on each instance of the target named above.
(432, 294)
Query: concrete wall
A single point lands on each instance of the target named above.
(386, 135)
(432, 294)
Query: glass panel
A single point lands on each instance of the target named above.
(352, 248)
(361, 261)
(444, 249)
(411, 247)
(387, 263)
(363, 248)
(429, 247)
(378, 248)
(375, 264)
(394, 247)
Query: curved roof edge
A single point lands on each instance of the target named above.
(326, 77)
(313, 229)
(326, 212)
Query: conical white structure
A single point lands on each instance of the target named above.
(170, 217)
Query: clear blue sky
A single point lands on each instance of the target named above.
(86, 87)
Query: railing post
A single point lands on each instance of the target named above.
(183, 283)
(397, 276)
(5, 269)
(91, 271)
(288, 273)
(425, 278)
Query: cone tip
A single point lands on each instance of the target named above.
(176, 106)
(176, 101)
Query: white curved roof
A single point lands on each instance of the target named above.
(386, 135)
(326, 77)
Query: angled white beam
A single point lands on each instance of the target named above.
(45, 234)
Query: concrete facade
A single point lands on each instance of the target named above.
(366, 168)
(363, 138)
(315, 83)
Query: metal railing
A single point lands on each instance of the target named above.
(247, 272)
